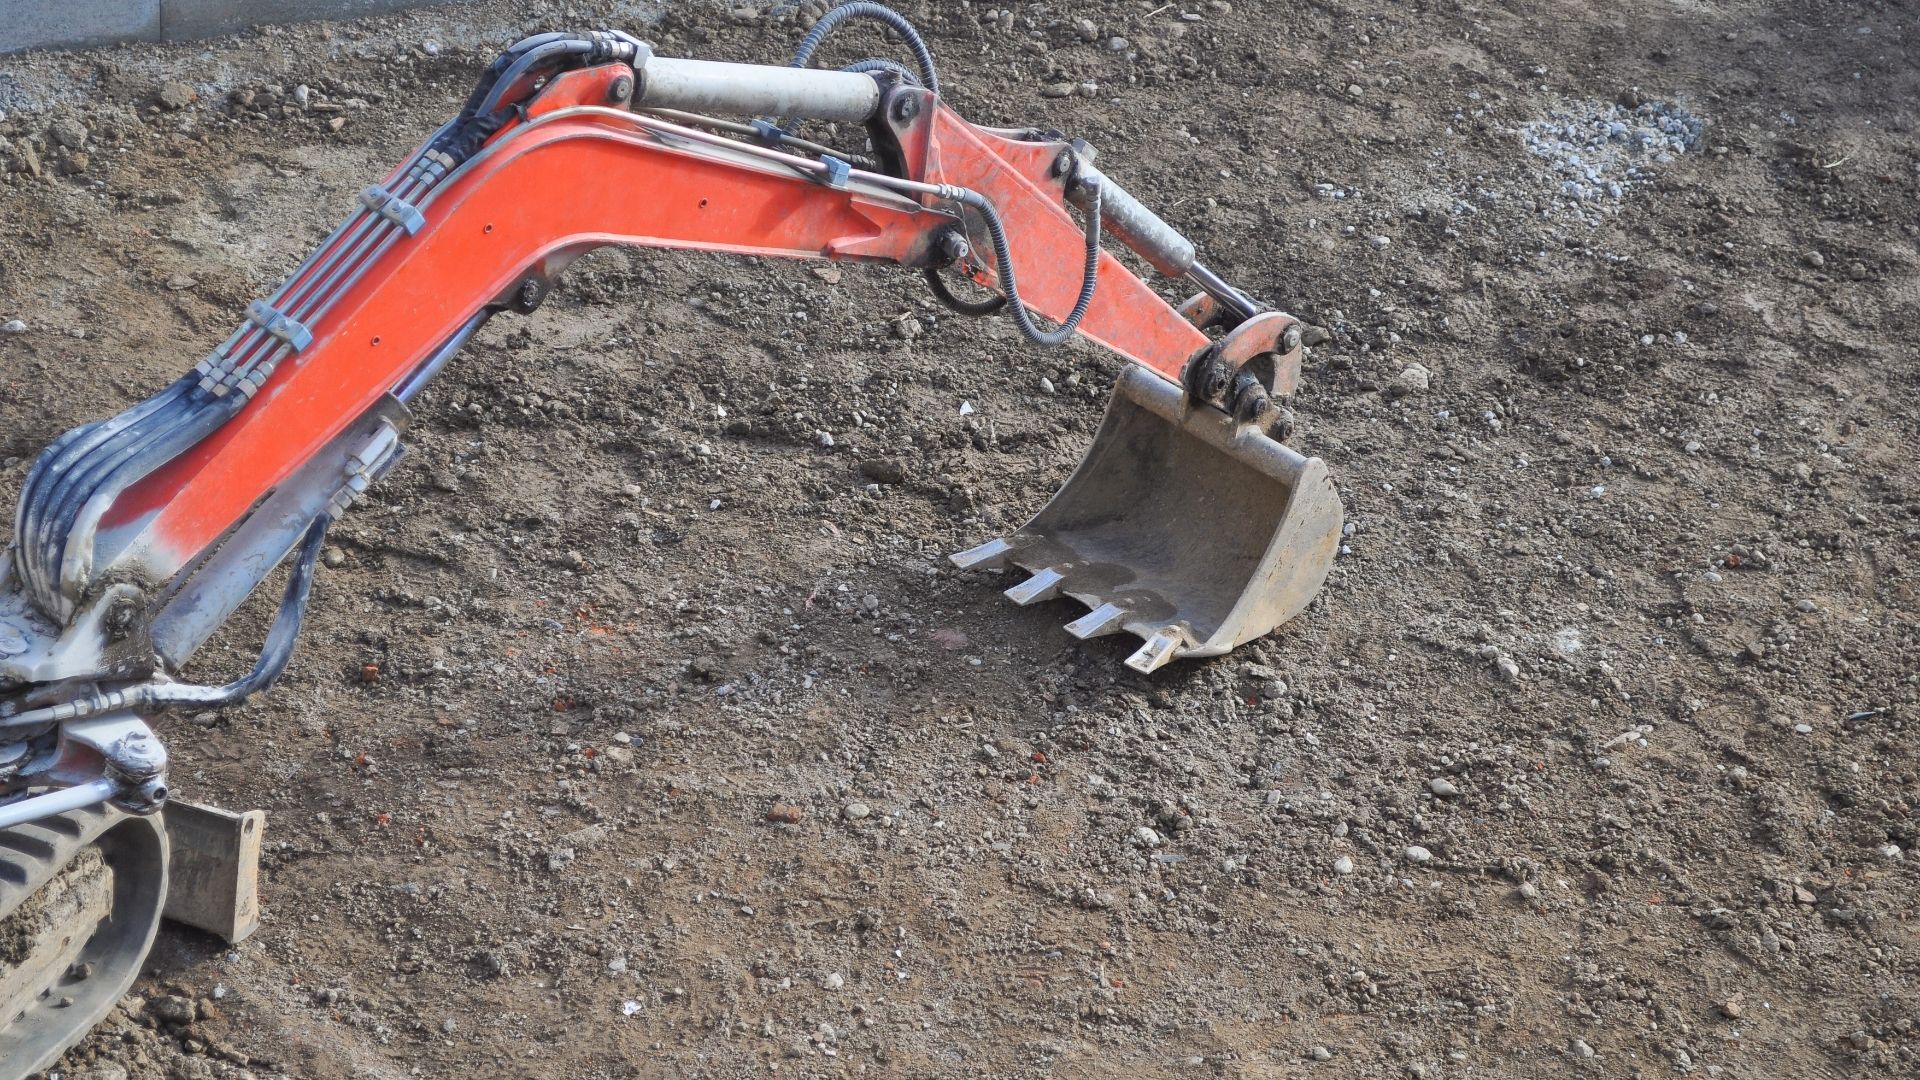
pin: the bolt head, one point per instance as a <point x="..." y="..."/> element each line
<point x="621" y="89"/>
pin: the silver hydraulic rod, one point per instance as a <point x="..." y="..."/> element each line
<point x="36" y="807"/>
<point x="712" y="86"/>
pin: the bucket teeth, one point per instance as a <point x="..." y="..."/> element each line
<point x="1044" y="585"/>
<point x="1164" y="646"/>
<point x="991" y="555"/>
<point x="1105" y="619"/>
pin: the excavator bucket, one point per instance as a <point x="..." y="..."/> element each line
<point x="1183" y="526"/>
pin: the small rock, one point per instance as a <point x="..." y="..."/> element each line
<point x="1581" y="1048"/>
<point x="1529" y="891"/>
<point x="1343" y="865"/>
<point x="1415" y="380"/>
<point x="855" y="811"/>
<point x="1046" y="385"/>
<point x="334" y="557"/>
<point x="1057" y="90"/>
<point x="834" y="981"/>
<point x="13" y="326"/>
<point x="1320" y="1053"/>
<point x="1146" y="837"/>
<point x="1731" y="1008"/>
<point x="1815" y="259"/>
<point x="172" y="1009"/>
<point x="336" y="123"/>
<point x="69" y="133"/>
<point x="1442" y="787"/>
<point x="1418" y="854"/>
<point x="174" y="96"/>
<point x="1086" y="29"/>
<point x="785" y="813"/>
<point x="1509" y="670"/>
<point x="1117" y="44"/>
<point x="1804" y="607"/>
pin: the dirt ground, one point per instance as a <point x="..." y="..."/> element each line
<point x="1593" y="759"/>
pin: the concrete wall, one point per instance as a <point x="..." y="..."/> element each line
<point x="37" y="24"/>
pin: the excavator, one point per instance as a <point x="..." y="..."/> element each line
<point x="1190" y="524"/>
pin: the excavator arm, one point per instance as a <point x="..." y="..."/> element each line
<point x="1190" y="523"/>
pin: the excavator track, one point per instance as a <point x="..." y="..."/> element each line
<point x="80" y="900"/>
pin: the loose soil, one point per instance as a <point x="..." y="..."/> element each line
<point x="1592" y="759"/>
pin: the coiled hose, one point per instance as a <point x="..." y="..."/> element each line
<point x="1003" y="257"/>
<point x="861" y="9"/>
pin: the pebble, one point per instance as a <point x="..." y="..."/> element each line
<point x="1146" y="837"/>
<point x="786" y="813"/>
<point x="1529" y="891"/>
<point x="1416" y="379"/>
<point x="1581" y="1048"/>
<point x="1343" y="865"/>
<point x="69" y="133"/>
<point x="13" y="326"/>
<point x="1442" y="787"/>
<point x="834" y="981"/>
<point x="1416" y="853"/>
<point x="174" y="96"/>
<point x="334" y="557"/>
<point x="1321" y="1053"/>
<point x="1117" y="44"/>
<point x="1046" y="385"/>
<point x="1509" y="670"/>
<point x="172" y="1009"/>
<point x="1815" y="259"/>
<point x="1086" y="29"/>
<point x="1804" y="607"/>
<point x="854" y="811"/>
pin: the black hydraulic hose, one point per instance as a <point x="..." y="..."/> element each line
<point x="533" y="58"/>
<point x="272" y="663"/>
<point x="965" y="307"/>
<point x="879" y="13"/>
<point x="880" y="63"/>
<point x="491" y="77"/>
<point x="286" y="624"/>
<point x="1003" y="255"/>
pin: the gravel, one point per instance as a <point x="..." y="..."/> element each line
<point x="1601" y="151"/>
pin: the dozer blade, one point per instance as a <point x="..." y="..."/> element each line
<point x="1181" y="526"/>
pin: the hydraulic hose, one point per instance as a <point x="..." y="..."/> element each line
<point x="879" y="13"/>
<point x="880" y="63"/>
<point x="1003" y="255"/>
<point x="268" y="668"/>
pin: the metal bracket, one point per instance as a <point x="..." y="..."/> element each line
<point x="286" y="330"/>
<point x="838" y="173"/>
<point x="368" y="464"/>
<point x="393" y="208"/>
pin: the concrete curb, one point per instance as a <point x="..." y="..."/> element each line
<point x="75" y="24"/>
